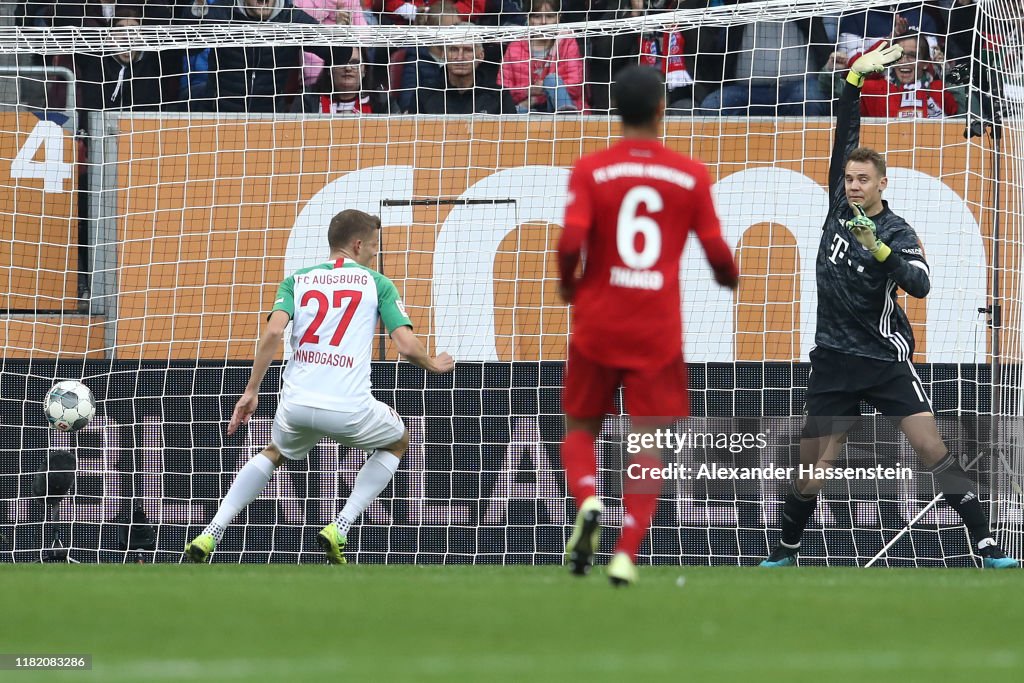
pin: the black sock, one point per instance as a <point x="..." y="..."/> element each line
<point x="795" y="513"/>
<point x="960" y="492"/>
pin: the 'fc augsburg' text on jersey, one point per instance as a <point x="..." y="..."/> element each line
<point x="334" y="309"/>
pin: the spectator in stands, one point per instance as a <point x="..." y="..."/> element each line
<point x="462" y="93"/>
<point x="910" y="89"/>
<point x="129" y="80"/>
<point x="863" y="31"/>
<point x="196" y="71"/>
<point x="406" y="11"/>
<point x="329" y="13"/>
<point x="673" y="52"/>
<point x="771" y="69"/>
<point x="253" y="79"/>
<point x="860" y="32"/>
<point x="544" y="74"/>
<point x="341" y="89"/>
<point x="425" y="71"/>
<point x="92" y="14"/>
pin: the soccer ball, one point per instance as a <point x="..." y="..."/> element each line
<point x="69" y="406"/>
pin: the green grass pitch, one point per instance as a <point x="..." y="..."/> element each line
<point x="466" y="623"/>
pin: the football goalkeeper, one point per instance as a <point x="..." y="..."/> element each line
<point x="864" y="343"/>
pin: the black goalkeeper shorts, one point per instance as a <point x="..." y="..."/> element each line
<point x="840" y="381"/>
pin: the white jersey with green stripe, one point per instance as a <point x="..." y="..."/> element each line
<point x="334" y="309"/>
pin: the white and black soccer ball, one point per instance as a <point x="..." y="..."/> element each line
<point x="69" y="406"/>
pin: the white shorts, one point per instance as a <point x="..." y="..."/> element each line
<point x="298" y="428"/>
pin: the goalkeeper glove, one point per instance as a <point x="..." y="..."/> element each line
<point x="873" y="62"/>
<point x="863" y="228"/>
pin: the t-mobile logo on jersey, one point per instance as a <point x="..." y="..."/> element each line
<point x="839" y="249"/>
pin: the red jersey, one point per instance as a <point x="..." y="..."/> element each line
<point x="924" y="100"/>
<point x="630" y="209"/>
<point x="361" y="106"/>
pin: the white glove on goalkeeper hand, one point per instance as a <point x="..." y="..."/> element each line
<point x="873" y="62"/>
<point x="407" y="11"/>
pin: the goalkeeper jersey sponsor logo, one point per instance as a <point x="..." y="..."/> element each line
<point x="838" y="249"/>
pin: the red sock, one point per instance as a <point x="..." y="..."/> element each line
<point x="640" y="498"/>
<point x="580" y="464"/>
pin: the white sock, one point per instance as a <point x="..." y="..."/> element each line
<point x="248" y="484"/>
<point x="373" y="477"/>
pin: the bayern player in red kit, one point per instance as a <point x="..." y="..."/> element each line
<point x="630" y="209"/>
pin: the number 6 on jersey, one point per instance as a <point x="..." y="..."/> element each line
<point x="630" y="225"/>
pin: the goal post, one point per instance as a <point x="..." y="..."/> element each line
<point x="1000" y="114"/>
<point x="191" y="219"/>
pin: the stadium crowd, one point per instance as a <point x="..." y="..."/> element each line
<point x="782" y="68"/>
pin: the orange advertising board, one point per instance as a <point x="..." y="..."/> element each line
<point x="38" y="252"/>
<point x="213" y="214"/>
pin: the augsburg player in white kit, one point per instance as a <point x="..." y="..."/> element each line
<point x="334" y="309"/>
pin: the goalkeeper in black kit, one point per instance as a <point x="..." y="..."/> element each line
<point x="863" y="340"/>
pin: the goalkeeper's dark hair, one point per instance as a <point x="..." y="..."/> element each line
<point x="351" y="225"/>
<point x="869" y="155"/>
<point x="637" y="94"/>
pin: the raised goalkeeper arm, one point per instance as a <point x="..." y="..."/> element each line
<point x="911" y="275"/>
<point x="847" y="136"/>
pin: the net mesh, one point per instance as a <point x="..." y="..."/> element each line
<point x="153" y="211"/>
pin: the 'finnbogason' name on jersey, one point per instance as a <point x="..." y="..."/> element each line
<point x="857" y="309"/>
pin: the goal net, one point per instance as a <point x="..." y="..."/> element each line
<point x="159" y="176"/>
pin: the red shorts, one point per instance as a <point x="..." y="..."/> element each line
<point x="652" y="392"/>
